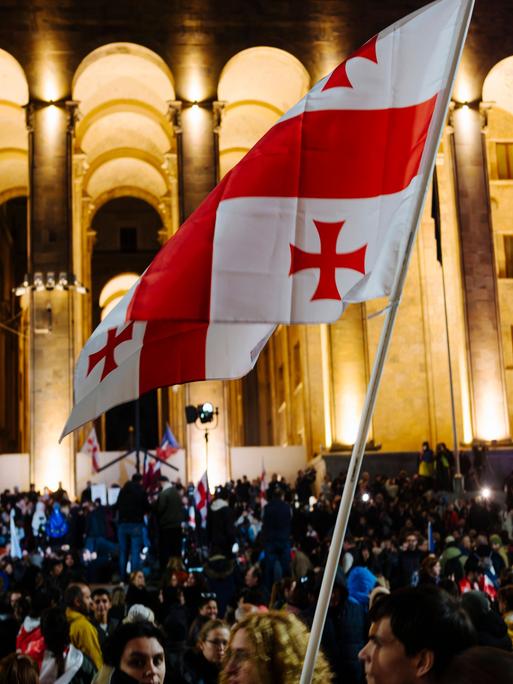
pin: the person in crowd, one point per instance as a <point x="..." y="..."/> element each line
<point x="276" y="531"/>
<point x="475" y="578"/>
<point x="360" y="584"/>
<point x="132" y="506"/>
<point x="414" y="634"/>
<point x="83" y="634"/>
<point x="102" y="605"/>
<point x="408" y="565"/>
<point x="479" y="665"/>
<point x="134" y="654"/>
<point x="169" y="510"/>
<point x="139" y="613"/>
<point x="97" y="530"/>
<point x="18" y="668"/>
<point x="489" y="625"/>
<point x="137" y="591"/>
<point x="221" y="524"/>
<point x="62" y="662"/>
<point x="430" y="570"/>
<point x="30" y="640"/>
<point x="506" y="607"/>
<point x="207" y="611"/>
<point x="39" y="522"/>
<point x="57" y="525"/>
<point x="270" y="647"/>
<point x="202" y="663"/>
<point x="118" y="600"/>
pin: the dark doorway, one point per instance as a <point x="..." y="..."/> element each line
<point x="13" y="265"/>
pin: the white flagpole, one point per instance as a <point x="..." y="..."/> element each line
<point x="377" y="371"/>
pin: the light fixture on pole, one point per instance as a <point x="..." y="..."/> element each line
<point x="203" y="414"/>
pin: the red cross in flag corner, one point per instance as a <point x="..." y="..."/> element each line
<point x="107" y="352"/>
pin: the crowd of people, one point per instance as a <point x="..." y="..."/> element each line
<point x="160" y="587"/>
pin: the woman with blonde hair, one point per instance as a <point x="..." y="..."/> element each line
<point x="270" y="647"/>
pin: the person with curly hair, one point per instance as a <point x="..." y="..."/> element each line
<point x="269" y="647"/>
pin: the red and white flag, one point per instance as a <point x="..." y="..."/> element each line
<point x="92" y="447"/>
<point x="263" y="489"/>
<point x="201" y="498"/>
<point x="124" y="359"/>
<point x="319" y="211"/>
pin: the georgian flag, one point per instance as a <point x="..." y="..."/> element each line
<point x="201" y="498"/>
<point x="92" y="447"/>
<point x="124" y="359"/>
<point x="318" y="213"/>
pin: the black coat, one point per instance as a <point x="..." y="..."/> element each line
<point x="132" y="503"/>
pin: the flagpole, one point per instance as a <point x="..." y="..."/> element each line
<point x="458" y="478"/>
<point x="436" y="215"/>
<point x="358" y="452"/>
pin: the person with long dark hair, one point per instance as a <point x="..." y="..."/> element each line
<point x="134" y="653"/>
<point x="62" y="662"/>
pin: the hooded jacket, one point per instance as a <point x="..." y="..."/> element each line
<point x="84" y="636"/>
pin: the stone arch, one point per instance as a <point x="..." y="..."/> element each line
<point x="125" y="143"/>
<point x="114" y="290"/>
<point x="257" y="86"/>
<point x="13" y="131"/>
<point x="498" y="115"/>
<point x="124" y="146"/>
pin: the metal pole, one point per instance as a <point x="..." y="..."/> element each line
<point x="137" y="436"/>
<point x="458" y="478"/>
<point x="357" y="455"/>
<point x="206" y="452"/>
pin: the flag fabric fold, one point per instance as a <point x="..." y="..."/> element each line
<point x="318" y="212"/>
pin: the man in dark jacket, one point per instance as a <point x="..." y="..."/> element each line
<point x="170" y="515"/>
<point x="132" y="505"/>
<point x="276" y="537"/>
<point x="221" y="524"/>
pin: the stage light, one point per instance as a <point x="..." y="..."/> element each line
<point x="486" y="492"/>
<point x="206" y="412"/>
<point x="365" y="497"/>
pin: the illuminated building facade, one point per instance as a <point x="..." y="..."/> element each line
<point x="116" y="120"/>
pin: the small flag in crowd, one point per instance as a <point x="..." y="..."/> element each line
<point x="263" y="489"/>
<point x="201" y="498"/>
<point x="15" y="538"/>
<point x="168" y="445"/>
<point x="92" y="447"/>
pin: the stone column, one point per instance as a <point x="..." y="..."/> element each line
<point x="51" y="315"/>
<point x="489" y="409"/>
<point x="198" y="169"/>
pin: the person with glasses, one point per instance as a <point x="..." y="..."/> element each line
<point x="202" y="664"/>
<point x="270" y="647"/>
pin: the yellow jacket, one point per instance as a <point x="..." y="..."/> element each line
<point x="84" y="636"/>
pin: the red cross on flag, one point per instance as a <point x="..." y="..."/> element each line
<point x="92" y="447"/>
<point x="124" y="359"/>
<point x="318" y="212"/>
<point x="201" y="498"/>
